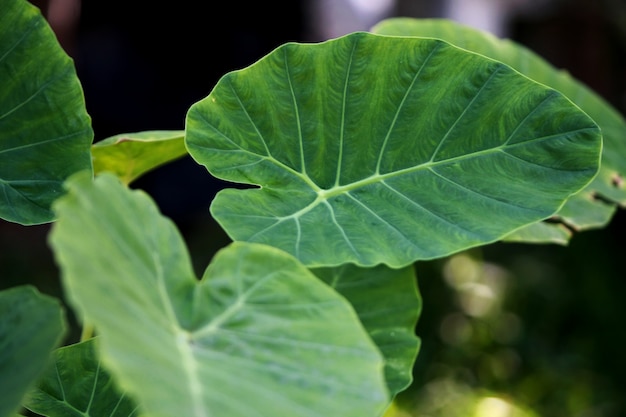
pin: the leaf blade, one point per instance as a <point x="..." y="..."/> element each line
<point x="131" y="155"/>
<point x="194" y="335"/>
<point x="31" y="326"/>
<point x="45" y="131"/>
<point x="388" y="304"/>
<point x="76" y="385"/>
<point x="477" y="148"/>
<point x="584" y="210"/>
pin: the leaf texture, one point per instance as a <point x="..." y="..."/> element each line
<point x="76" y="384"/>
<point x="594" y="206"/>
<point x="375" y="149"/>
<point x="32" y="325"/>
<point x="258" y="336"/>
<point x="389" y="304"/>
<point x="45" y="131"/>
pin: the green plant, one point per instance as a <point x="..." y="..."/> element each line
<point x="363" y="155"/>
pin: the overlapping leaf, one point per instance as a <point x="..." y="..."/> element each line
<point x="77" y="385"/>
<point x="388" y="304"/>
<point x="259" y="335"/>
<point x="375" y="149"/>
<point x="45" y="131"/>
<point x="32" y="325"/>
<point x="589" y="208"/>
<point x="131" y="155"/>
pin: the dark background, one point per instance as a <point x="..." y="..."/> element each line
<point x="143" y="66"/>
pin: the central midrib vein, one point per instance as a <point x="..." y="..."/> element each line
<point x="326" y="194"/>
<point x="377" y="177"/>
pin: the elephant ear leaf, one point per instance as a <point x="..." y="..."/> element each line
<point x="258" y="335"/>
<point x="45" y="131"/>
<point x="595" y="205"/>
<point x="377" y="149"/>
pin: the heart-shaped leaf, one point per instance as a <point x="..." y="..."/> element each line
<point x="131" y="155"/>
<point x="376" y="149"/>
<point x="32" y="325"/>
<point x="259" y="335"/>
<point x="76" y="385"/>
<point x="583" y="210"/>
<point x="45" y="131"/>
<point x="388" y="304"/>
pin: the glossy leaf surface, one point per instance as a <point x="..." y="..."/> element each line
<point x="32" y="325"/>
<point x="131" y="155"/>
<point x="259" y="335"/>
<point x="584" y="210"/>
<point x="45" y="131"/>
<point x="388" y="304"/>
<point x="374" y="149"/>
<point x="77" y="385"/>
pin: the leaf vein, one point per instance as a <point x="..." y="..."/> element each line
<point x="341" y="230"/>
<point x="432" y="213"/>
<point x="400" y="106"/>
<point x="343" y="116"/>
<point x="467" y="107"/>
<point x="256" y="129"/>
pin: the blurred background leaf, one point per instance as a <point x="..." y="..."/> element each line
<point x="32" y="325"/>
<point x="131" y="155"/>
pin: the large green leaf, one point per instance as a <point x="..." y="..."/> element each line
<point x="31" y="326"/>
<point x="376" y="149"/>
<point x="76" y="385"/>
<point x="45" y="131"/>
<point x="259" y="335"/>
<point x="388" y="304"/>
<point x="131" y="155"/>
<point x="584" y="210"/>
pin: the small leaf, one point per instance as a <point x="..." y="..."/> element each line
<point x="31" y="326"/>
<point x="582" y="211"/>
<point x="45" y="131"/>
<point x="375" y="149"/>
<point x="388" y="304"/>
<point x="76" y="385"/>
<point x="259" y="335"/>
<point x="131" y="155"/>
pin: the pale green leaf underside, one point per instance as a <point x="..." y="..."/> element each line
<point x="583" y="210"/>
<point x="259" y="335"/>
<point x="374" y="149"/>
<point x="45" y="131"/>
<point x="32" y="325"/>
<point x="388" y="304"/>
<point x="131" y="155"/>
<point x="77" y="385"/>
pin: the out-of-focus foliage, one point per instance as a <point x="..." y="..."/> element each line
<point x="522" y="330"/>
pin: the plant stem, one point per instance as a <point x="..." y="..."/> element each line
<point x="87" y="332"/>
